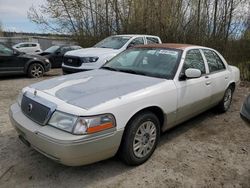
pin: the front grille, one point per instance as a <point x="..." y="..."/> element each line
<point x="35" y="110"/>
<point x="72" y="61"/>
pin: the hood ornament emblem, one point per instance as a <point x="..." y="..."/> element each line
<point x="30" y="107"/>
<point x="35" y="92"/>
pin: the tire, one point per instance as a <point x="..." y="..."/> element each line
<point x="225" y="103"/>
<point x="35" y="70"/>
<point x="135" y="151"/>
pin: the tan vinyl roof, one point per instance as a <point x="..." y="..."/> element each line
<point x="166" y="45"/>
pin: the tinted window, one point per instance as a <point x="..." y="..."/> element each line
<point x="4" y="51"/>
<point x="213" y="60"/>
<point x="65" y="49"/>
<point x="52" y="49"/>
<point x="194" y="60"/>
<point x="24" y="45"/>
<point x="33" y="45"/>
<point x="152" y="40"/>
<point x="136" y="41"/>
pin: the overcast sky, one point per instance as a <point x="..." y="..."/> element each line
<point x="13" y="15"/>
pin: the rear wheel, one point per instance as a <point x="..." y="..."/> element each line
<point x="35" y="70"/>
<point x="140" y="139"/>
<point x="225" y="103"/>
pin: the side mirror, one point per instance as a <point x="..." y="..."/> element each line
<point x="192" y="73"/>
<point x="15" y="52"/>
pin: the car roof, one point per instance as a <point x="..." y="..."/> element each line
<point x="168" y="45"/>
<point x="136" y="35"/>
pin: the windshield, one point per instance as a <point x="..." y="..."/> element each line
<point x="161" y="63"/>
<point x="114" y="42"/>
<point x="52" y="49"/>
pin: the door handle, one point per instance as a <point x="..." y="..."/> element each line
<point x="226" y="77"/>
<point x="208" y="83"/>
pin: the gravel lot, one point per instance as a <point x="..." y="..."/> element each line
<point x="211" y="150"/>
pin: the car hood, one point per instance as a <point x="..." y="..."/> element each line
<point x="89" y="89"/>
<point x="87" y="52"/>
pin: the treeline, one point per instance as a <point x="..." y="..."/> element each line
<point x="220" y="24"/>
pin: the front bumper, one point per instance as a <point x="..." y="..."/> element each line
<point x="65" y="148"/>
<point x="245" y="110"/>
<point x="47" y="67"/>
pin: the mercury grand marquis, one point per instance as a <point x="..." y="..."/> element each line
<point x="123" y="107"/>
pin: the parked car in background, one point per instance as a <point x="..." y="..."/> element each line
<point x="245" y="110"/>
<point x="95" y="57"/>
<point x="123" y="106"/>
<point x="55" y="54"/>
<point x="28" y="47"/>
<point x="14" y="62"/>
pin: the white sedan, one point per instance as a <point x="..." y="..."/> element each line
<point x="124" y="106"/>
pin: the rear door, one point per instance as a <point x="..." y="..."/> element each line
<point x="218" y="74"/>
<point x="193" y="94"/>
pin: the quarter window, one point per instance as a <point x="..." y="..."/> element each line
<point x="194" y="60"/>
<point x="213" y="60"/>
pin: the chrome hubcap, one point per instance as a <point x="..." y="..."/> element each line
<point x="36" y="71"/>
<point x="144" y="139"/>
<point x="227" y="98"/>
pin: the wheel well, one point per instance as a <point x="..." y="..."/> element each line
<point x="232" y="85"/>
<point x="33" y="62"/>
<point x="155" y="110"/>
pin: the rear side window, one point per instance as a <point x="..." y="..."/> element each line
<point x="24" y="45"/>
<point x="194" y="60"/>
<point x="33" y="45"/>
<point x="213" y="60"/>
<point x="152" y="40"/>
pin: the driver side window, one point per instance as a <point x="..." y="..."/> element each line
<point x="4" y="51"/>
<point x="194" y="60"/>
<point x="136" y="41"/>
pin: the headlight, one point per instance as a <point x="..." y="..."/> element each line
<point x="20" y="98"/>
<point x="47" y="61"/>
<point x="89" y="59"/>
<point x="94" y="124"/>
<point x="82" y="125"/>
<point x="63" y="121"/>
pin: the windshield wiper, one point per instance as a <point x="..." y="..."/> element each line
<point x="110" y="68"/>
<point x="132" y="71"/>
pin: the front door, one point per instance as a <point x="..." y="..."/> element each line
<point x="8" y="60"/>
<point x="194" y="94"/>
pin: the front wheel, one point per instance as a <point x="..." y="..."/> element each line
<point x="140" y="139"/>
<point x="225" y="103"/>
<point x="35" y="70"/>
